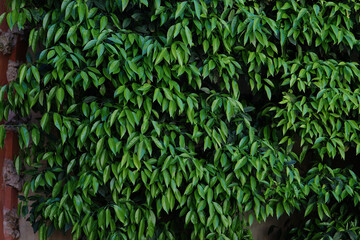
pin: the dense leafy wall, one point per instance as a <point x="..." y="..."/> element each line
<point x="171" y="119"/>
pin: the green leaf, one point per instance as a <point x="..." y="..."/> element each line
<point x="197" y="9"/>
<point x="189" y="36"/>
<point x="25" y="136"/>
<point x="103" y="23"/>
<point x="114" y="66"/>
<point x="151" y="221"/>
<point x="106" y="175"/>
<point x="279" y="210"/>
<point x="112" y="145"/>
<point x="35" y="135"/>
<point x="180" y="9"/>
<point x="60" y="93"/>
<point x="309" y="208"/>
<point x="18" y="163"/>
<point x="229" y="110"/>
<point x="352" y="235"/>
<point x="301" y="13"/>
<point x="89" y="44"/>
<point x="253" y="183"/>
<point x="124" y="4"/>
<point x="268" y="92"/>
<point x="81" y="11"/>
<point x="70" y="91"/>
<point x="70" y="166"/>
<point x="58" y="34"/>
<point x="44" y="121"/>
<point x="120" y="213"/>
<point x="320" y="211"/>
<point x="57" y="189"/>
<point x="84" y="134"/>
<point x="2" y="17"/>
<point x="35" y="73"/>
<point x="145" y="87"/>
<point x="326" y="210"/>
<point x="216" y="45"/>
<point x="160" y="56"/>
<point x="71" y="31"/>
<point x="100" y="145"/>
<point x="57" y="121"/>
<point x="240" y="163"/>
<point x="86" y="109"/>
<point x="2" y="135"/>
<point x="22" y="73"/>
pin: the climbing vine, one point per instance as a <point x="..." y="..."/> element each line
<point x="187" y="119"/>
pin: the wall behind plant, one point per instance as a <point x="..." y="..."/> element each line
<point x="171" y="120"/>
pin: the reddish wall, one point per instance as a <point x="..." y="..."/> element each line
<point x="8" y="195"/>
<point x="1" y="195"/>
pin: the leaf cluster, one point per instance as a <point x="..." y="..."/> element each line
<point x="171" y="120"/>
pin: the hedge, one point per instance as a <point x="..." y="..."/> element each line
<point x="187" y="119"/>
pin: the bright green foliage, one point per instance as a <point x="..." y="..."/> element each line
<point x="172" y="119"/>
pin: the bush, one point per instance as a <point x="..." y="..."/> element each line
<point x="171" y="120"/>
